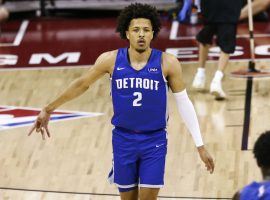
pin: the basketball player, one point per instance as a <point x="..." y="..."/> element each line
<point x="139" y="79"/>
<point x="259" y="190"/>
<point x="220" y="19"/>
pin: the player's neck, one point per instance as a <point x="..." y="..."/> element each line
<point x="267" y="177"/>
<point x="266" y="174"/>
<point x="138" y="57"/>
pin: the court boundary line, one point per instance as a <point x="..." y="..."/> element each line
<point x="105" y="194"/>
<point x="19" y="36"/>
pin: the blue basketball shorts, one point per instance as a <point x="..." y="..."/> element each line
<point x="138" y="158"/>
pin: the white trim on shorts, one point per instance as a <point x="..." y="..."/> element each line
<point x="140" y="185"/>
<point x="126" y="186"/>
<point x="111" y="180"/>
<point x="150" y="186"/>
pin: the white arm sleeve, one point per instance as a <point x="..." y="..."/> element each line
<point x="188" y="114"/>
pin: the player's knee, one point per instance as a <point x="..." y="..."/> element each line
<point x="129" y="195"/>
<point x="227" y="49"/>
<point x="227" y="45"/>
<point x="148" y="194"/>
<point x="147" y="197"/>
<point x="206" y="45"/>
<point x="204" y="41"/>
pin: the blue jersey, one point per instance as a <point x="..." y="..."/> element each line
<point x="139" y="96"/>
<point x="256" y="191"/>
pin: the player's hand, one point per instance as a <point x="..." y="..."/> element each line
<point x="207" y="159"/>
<point x="41" y="124"/>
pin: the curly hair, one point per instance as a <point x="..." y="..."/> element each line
<point x="134" y="11"/>
<point x="262" y="150"/>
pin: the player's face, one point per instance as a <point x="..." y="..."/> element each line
<point x="140" y="34"/>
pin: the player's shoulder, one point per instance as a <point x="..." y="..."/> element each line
<point x="250" y="188"/>
<point x="253" y="184"/>
<point x="170" y="64"/>
<point x="168" y="58"/>
<point x="106" y="60"/>
<point x="249" y="192"/>
<point x="108" y="55"/>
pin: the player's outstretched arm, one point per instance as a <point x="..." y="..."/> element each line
<point x="102" y="66"/>
<point x="185" y="107"/>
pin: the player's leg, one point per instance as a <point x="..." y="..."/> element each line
<point x="125" y="164"/>
<point x="226" y="40"/>
<point x="199" y="79"/>
<point x="203" y="54"/>
<point x="153" y="150"/>
<point x="148" y="193"/>
<point x="131" y="194"/>
<point x="204" y="38"/>
<point x="216" y="84"/>
<point x="223" y="61"/>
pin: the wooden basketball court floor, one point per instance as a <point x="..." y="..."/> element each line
<point x="74" y="163"/>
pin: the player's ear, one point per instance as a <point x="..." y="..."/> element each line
<point x="127" y="35"/>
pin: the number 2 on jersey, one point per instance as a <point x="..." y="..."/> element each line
<point x="139" y="98"/>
